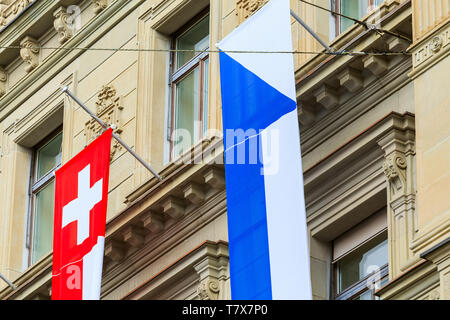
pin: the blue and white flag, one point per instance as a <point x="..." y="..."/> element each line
<point x="268" y="241"/>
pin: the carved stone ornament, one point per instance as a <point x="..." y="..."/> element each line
<point x="208" y="289"/>
<point x="395" y="169"/>
<point x="434" y="295"/>
<point x="109" y="109"/>
<point x="10" y="9"/>
<point x="3" y="80"/>
<point x="62" y="24"/>
<point x="245" y="8"/>
<point x="436" y="44"/>
<point x="30" y="53"/>
<point x="99" y="5"/>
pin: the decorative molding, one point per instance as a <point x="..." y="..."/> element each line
<point x="213" y="273"/>
<point x="62" y="24"/>
<point x="109" y="109"/>
<point x="99" y="5"/>
<point x="3" y="81"/>
<point x="12" y="10"/>
<point x="431" y="50"/>
<point x="245" y="8"/>
<point x="30" y="53"/>
<point x="394" y="168"/>
<point x="208" y="290"/>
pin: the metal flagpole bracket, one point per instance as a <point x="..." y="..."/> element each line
<point x="299" y="20"/>
<point x="115" y="136"/>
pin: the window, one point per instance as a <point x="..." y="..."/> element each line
<point x="189" y="82"/>
<point x="352" y="8"/>
<point x="47" y="158"/>
<point x="361" y="260"/>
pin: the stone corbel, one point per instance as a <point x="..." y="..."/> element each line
<point x="208" y="289"/>
<point x="306" y="115"/>
<point x="30" y="53"/>
<point x="194" y="193"/>
<point x="99" y="5"/>
<point x="351" y="79"/>
<point x="153" y="222"/>
<point x="394" y="168"/>
<point x="173" y="207"/>
<point x="3" y="81"/>
<point x="62" y="25"/>
<point x="327" y="97"/>
<point x="213" y="273"/>
<point x="215" y="178"/>
<point x="375" y="64"/>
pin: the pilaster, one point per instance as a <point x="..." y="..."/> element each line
<point x="431" y="62"/>
<point x="400" y="170"/>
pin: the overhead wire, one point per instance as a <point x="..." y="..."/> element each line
<point x="366" y="25"/>
<point x="210" y="51"/>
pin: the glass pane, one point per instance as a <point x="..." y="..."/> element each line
<point x="368" y="258"/>
<point x="353" y="8"/>
<point x="205" y="96"/>
<point x="43" y="221"/>
<point x="49" y="156"/>
<point x="186" y="112"/>
<point x="196" y="38"/>
<point x="365" y="296"/>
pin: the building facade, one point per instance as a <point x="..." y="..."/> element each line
<point x="374" y="129"/>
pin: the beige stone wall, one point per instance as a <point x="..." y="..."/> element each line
<point x="431" y="62"/>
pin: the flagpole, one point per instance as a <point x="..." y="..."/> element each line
<point x="299" y="20"/>
<point x="115" y="136"/>
<point x="9" y="283"/>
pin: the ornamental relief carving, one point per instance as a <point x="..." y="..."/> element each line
<point x="245" y="8"/>
<point x="432" y="47"/>
<point x="11" y="10"/>
<point x="30" y="53"/>
<point x="62" y="24"/>
<point x="109" y="108"/>
<point x="394" y="168"/>
<point x="208" y="289"/>
<point x="3" y="81"/>
<point x="99" y="5"/>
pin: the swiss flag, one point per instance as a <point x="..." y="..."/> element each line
<point x="80" y="217"/>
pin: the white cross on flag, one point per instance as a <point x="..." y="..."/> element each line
<point x="80" y="217"/>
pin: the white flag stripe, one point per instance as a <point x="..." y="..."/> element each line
<point x="92" y="271"/>
<point x="260" y="33"/>
<point x="286" y="219"/>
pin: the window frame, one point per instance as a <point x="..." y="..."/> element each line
<point x="37" y="185"/>
<point x="359" y="287"/>
<point x="178" y="74"/>
<point x="337" y="19"/>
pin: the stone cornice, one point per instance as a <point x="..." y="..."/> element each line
<point x="13" y="10"/>
<point x="355" y="39"/>
<point x="58" y="59"/>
